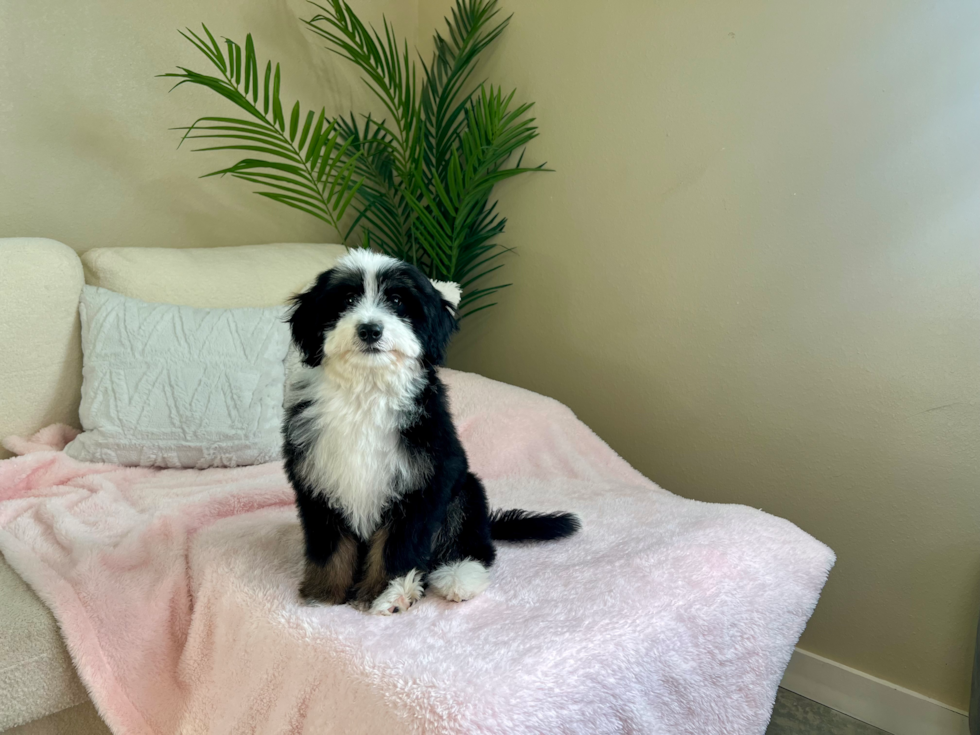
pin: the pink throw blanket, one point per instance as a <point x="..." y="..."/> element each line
<point x="176" y="593"/>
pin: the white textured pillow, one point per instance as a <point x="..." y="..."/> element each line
<point x="178" y="386"/>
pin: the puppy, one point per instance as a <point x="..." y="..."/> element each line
<point x="383" y="488"/>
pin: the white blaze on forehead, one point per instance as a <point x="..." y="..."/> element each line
<point x="366" y="264"/>
<point x="367" y="261"/>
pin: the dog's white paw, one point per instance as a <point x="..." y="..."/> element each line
<point x="460" y="580"/>
<point x="401" y="594"/>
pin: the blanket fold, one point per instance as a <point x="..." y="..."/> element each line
<point x="175" y="591"/>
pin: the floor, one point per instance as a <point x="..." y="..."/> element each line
<point x="82" y="719"/>
<point x="796" y="715"/>
<point x="793" y="715"/>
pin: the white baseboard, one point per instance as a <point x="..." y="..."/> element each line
<point x="875" y="701"/>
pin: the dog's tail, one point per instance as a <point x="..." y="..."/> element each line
<point x="525" y="525"/>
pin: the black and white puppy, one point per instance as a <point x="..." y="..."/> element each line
<point x="385" y="496"/>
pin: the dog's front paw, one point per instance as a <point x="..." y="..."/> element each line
<point x="401" y="594"/>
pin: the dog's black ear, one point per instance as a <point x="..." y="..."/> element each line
<point x="442" y="323"/>
<point x="307" y="322"/>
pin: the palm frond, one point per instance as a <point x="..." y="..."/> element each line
<point x="470" y="31"/>
<point x="389" y="72"/>
<point x="455" y="216"/>
<point x="314" y="174"/>
<point x="381" y="199"/>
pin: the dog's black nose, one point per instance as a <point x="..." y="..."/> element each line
<point x="369" y="333"/>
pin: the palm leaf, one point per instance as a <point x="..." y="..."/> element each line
<point x="387" y="69"/>
<point x="311" y="175"/>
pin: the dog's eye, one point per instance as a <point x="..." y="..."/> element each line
<point x="396" y="300"/>
<point x="350" y="300"/>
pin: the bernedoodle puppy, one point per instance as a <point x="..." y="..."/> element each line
<point x="385" y="496"/>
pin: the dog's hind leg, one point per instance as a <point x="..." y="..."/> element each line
<point x="463" y="571"/>
<point x="460" y="580"/>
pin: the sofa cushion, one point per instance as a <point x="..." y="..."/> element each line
<point x="246" y="275"/>
<point x="36" y="674"/>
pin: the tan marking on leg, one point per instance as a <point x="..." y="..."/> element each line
<point x="330" y="582"/>
<point x="374" y="577"/>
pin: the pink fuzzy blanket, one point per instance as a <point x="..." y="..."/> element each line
<point x="176" y="593"/>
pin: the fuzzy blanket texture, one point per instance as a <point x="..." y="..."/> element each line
<point x="176" y="593"/>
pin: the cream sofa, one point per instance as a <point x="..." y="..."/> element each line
<point x="40" y="384"/>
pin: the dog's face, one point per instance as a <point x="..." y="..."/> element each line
<point x="371" y="310"/>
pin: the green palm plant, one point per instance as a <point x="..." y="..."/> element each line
<point x="420" y="180"/>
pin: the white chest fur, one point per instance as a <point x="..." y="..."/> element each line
<point x="355" y="455"/>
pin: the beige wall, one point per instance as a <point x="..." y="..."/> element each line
<point x="86" y="156"/>
<point x="756" y="273"/>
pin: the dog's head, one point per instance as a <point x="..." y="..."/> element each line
<point x="371" y="310"/>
